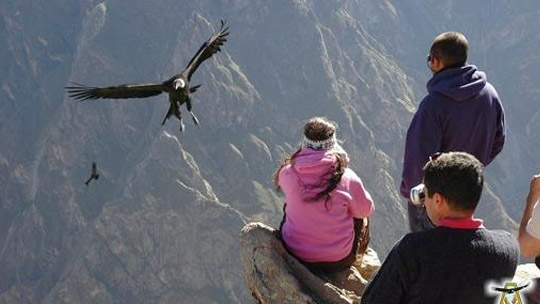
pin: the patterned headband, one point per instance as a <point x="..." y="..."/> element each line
<point x="326" y="144"/>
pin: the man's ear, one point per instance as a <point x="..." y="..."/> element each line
<point x="437" y="198"/>
<point x="438" y="64"/>
<point x="441" y="202"/>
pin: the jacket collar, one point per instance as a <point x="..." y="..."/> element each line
<point x="462" y="223"/>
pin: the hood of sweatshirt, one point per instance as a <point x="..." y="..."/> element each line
<point x="458" y="84"/>
<point x="313" y="163"/>
<point x="313" y="168"/>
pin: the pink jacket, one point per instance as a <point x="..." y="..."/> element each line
<point x="312" y="231"/>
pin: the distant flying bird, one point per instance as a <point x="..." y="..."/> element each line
<point x="177" y="86"/>
<point x="94" y="174"/>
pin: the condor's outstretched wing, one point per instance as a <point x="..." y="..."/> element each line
<point x="209" y="48"/>
<point x="82" y="92"/>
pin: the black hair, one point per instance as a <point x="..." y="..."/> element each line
<point x="457" y="176"/>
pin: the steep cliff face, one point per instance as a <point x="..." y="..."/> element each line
<point x="161" y="223"/>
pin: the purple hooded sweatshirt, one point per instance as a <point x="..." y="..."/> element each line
<point x="462" y="112"/>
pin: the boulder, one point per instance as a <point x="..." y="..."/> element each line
<point x="274" y="276"/>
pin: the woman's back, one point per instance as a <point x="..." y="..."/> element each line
<point x="323" y="229"/>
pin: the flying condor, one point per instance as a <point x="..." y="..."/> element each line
<point x="177" y="86"/>
<point x="93" y="175"/>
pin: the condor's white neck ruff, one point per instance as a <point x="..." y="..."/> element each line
<point x="179" y="83"/>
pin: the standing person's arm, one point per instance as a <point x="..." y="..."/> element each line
<point x="423" y="139"/>
<point x="500" y="134"/>
<point x="529" y="229"/>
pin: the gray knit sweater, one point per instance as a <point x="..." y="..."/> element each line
<point x="444" y="265"/>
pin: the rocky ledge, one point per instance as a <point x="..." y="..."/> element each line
<point x="274" y="276"/>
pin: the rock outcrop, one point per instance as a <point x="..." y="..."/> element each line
<point x="274" y="276"/>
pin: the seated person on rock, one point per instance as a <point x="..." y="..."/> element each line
<point x="453" y="262"/>
<point x="324" y="202"/>
<point x="529" y="233"/>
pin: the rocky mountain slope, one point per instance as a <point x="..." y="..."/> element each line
<point x="162" y="222"/>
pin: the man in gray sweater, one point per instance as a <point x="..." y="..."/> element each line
<point x="454" y="262"/>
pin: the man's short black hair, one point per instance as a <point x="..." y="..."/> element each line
<point x="457" y="176"/>
<point x="451" y="48"/>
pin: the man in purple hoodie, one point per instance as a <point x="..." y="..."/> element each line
<point x="462" y="112"/>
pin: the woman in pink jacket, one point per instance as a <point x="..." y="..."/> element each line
<point x="323" y="200"/>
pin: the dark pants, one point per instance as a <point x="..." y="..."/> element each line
<point x="418" y="218"/>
